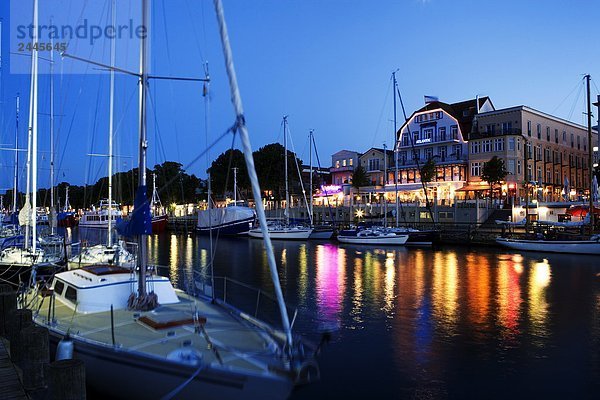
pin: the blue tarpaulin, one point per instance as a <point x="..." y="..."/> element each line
<point x="140" y="221"/>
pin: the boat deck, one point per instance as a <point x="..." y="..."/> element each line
<point x="215" y="334"/>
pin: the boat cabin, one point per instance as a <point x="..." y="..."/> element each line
<point x="96" y="288"/>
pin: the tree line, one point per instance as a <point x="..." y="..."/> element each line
<point x="173" y="184"/>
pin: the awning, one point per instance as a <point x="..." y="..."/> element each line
<point x="473" y="188"/>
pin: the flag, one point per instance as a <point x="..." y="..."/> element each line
<point x="140" y="222"/>
<point x="431" y="99"/>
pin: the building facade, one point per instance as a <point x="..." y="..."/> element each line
<point x="343" y="164"/>
<point x="543" y="154"/>
<point x="374" y="161"/>
<point x="439" y="132"/>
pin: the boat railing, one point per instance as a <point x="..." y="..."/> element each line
<point x="251" y="302"/>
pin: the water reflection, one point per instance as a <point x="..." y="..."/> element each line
<point x="330" y="282"/>
<point x="426" y="315"/>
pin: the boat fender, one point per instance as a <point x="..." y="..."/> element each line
<point x="186" y="355"/>
<point x="64" y="350"/>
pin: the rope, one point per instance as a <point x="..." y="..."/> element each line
<point x="179" y="388"/>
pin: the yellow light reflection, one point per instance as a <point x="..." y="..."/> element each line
<point x="303" y="272"/>
<point x="389" y="284"/>
<point x="509" y="297"/>
<point x="539" y="279"/>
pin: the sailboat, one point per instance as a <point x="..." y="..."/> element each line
<point x="285" y="231"/>
<point x="20" y="258"/>
<point x="108" y="212"/>
<point x="159" y="217"/>
<point x="141" y="338"/>
<point x="554" y="241"/>
<point x="67" y="218"/>
<point x="233" y="220"/>
<point x="321" y="232"/>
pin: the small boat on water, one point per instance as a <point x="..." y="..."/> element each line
<point x="234" y="220"/>
<point x="374" y="236"/>
<point x="416" y="237"/>
<point x="283" y="232"/>
<point x="160" y="219"/>
<point x="97" y="217"/>
<point x="590" y="246"/>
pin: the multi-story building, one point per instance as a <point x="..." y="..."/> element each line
<point x="548" y="152"/>
<point x="439" y="132"/>
<point x="343" y="164"/>
<point x="374" y="161"/>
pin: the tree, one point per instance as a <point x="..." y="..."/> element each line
<point x="222" y="174"/>
<point x="269" y="163"/>
<point x="493" y="172"/>
<point x="428" y="171"/>
<point x="359" y="177"/>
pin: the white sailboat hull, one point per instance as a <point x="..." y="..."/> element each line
<point x="398" y="240"/>
<point x="552" y="246"/>
<point x="158" y="377"/>
<point x="283" y="234"/>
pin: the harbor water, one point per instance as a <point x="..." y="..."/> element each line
<point x="424" y="323"/>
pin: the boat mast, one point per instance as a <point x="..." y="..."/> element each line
<point x="243" y="131"/>
<point x="310" y="187"/>
<point x="590" y="152"/>
<point x="384" y="182"/>
<point x="285" y="158"/>
<point x="34" y="126"/>
<point x="16" y="169"/>
<point x="396" y="150"/>
<point x="235" y="170"/>
<point x="141" y="239"/>
<point x="52" y="209"/>
<point x="66" y="199"/>
<point x="111" y="126"/>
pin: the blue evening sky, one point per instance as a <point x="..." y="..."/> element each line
<point x="325" y="63"/>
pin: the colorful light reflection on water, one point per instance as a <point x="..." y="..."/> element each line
<point x="447" y="323"/>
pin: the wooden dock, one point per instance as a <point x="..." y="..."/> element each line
<point x="10" y="384"/>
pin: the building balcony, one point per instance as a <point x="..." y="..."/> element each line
<point x="348" y="168"/>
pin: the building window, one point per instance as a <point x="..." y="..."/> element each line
<point x="539" y="131"/>
<point x="343" y="162"/>
<point x="403" y="156"/>
<point x="548" y="133"/>
<point x="528" y="128"/>
<point x="442" y="152"/>
<point x="528" y="151"/>
<point x="510" y="166"/>
<point x="374" y="164"/>
<point x="475" y="147"/>
<point x="572" y="141"/>
<point x="529" y="172"/>
<point x="415" y="154"/>
<point x="490" y="129"/>
<point x="427" y="134"/>
<point x="511" y="144"/>
<point x="415" y="137"/>
<point x="428" y="153"/>
<point x="475" y="169"/>
<point x="457" y="150"/>
<point x="578" y="143"/>
<point x="564" y="137"/>
<point x="487" y="146"/>
<point x="506" y="127"/>
<point x="498" y="144"/>
<point x="548" y="176"/>
<point x="518" y="167"/>
<point x="454" y="132"/>
<point x="337" y="164"/>
<point x="442" y="133"/>
<point x="405" y="139"/>
<point x="351" y="161"/>
<point x="556" y="136"/>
